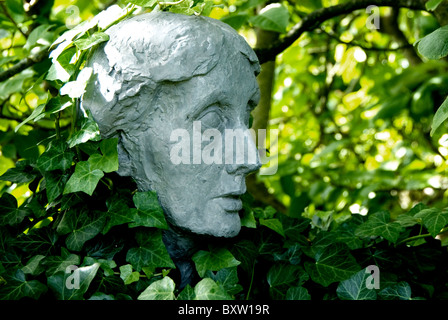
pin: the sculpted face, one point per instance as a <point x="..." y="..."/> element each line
<point x="183" y="74"/>
<point x="204" y="198"/>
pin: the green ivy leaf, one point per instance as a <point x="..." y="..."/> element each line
<point x="54" y="184"/>
<point x="55" y="264"/>
<point x="34" y="266"/>
<point x="9" y="213"/>
<point x="274" y="17"/>
<point x="88" y="131"/>
<point x="94" y="39"/>
<point x="273" y="224"/>
<point x="149" y="212"/>
<point x="297" y="293"/>
<point x="355" y="288"/>
<point x="440" y="116"/>
<point x="434" y="45"/>
<point x="55" y="157"/>
<point x="118" y="213"/>
<point x="81" y="227"/>
<point x="213" y="260"/>
<point x="23" y="172"/>
<point x="83" y="179"/>
<point x="108" y="160"/>
<point x="434" y="219"/>
<point x="159" y="290"/>
<point x="334" y="263"/>
<point x="227" y="278"/>
<point x="58" y="282"/>
<point x="282" y="273"/>
<point x="17" y="287"/>
<point x="187" y="293"/>
<point x="378" y="224"/>
<point x="151" y="251"/>
<point x="207" y="289"/>
<point x="399" y="291"/>
<point x="127" y="275"/>
<point x="37" y="114"/>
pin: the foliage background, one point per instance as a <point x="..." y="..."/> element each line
<point x="362" y="158"/>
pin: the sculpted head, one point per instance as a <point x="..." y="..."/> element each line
<point x="162" y="73"/>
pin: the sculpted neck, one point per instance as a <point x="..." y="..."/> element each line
<point x="181" y="247"/>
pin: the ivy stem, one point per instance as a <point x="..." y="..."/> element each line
<point x="421" y="236"/>
<point x="57" y="126"/>
<point x="251" y="281"/>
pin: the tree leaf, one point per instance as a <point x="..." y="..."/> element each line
<point x="83" y="179"/>
<point x="38" y="113"/>
<point x="94" y="39"/>
<point x="432" y="5"/>
<point x="334" y="263"/>
<point x="149" y="213"/>
<point x="207" y="289"/>
<point x="378" y="224"/>
<point x="440" y="116"/>
<point x="297" y="293"/>
<point x="17" y="287"/>
<point x="355" y="288"/>
<point x="151" y="251"/>
<point x="434" y="219"/>
<point x="434" y="45"/>
<point x="274" y="17"/>
<point x="213" y="260"/>
<point x="58" y="282"/>
<point x="159" y="290"/>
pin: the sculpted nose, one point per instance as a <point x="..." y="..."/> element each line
<point x="244" y="157"/>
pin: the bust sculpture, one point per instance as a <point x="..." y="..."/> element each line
<point x="162" y="72"/>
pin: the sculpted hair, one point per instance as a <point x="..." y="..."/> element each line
<point x="144" y="53"/>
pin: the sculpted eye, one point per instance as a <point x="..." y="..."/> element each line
<point x="212" y="118"/>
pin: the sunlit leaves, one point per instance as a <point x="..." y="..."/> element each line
<point x="434" y="45"/>
<point x="159" y="290"/>
<point x="207" y="289"/>
<point x="440" y="116"/>
<point x="274" y="17"/>
<point x="88" y="130"/>
<point x="74" y="284"/>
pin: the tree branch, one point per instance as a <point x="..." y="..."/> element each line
<point x="23" y="64"/>
<point x="315" y="18"/>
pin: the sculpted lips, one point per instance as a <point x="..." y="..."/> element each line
<point x="230" y="202"/>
